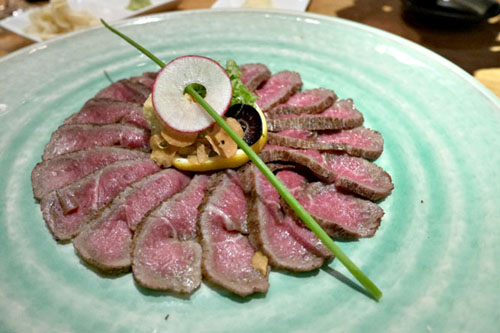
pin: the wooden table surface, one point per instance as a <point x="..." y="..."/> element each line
<point x="475" y="48"/>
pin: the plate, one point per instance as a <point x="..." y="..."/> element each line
<point x="298" y="5"/>
<point x="112" y="11"/>
<point x="435" y="255"/>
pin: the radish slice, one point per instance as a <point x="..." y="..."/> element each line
<point x="177" y="109"/>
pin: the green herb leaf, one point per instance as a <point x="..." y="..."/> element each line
<point x="241" y="94"/>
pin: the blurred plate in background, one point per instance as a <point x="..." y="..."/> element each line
<point x="110" y="10"/>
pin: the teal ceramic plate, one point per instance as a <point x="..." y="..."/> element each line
<point x="435" y="256"/>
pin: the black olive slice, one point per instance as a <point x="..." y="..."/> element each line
<point x="249" y="119"/>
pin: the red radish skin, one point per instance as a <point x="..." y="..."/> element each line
<point x="206" y="119"/>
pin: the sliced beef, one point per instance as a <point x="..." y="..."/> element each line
<point x="359" y="176"/>
<point x="101" y="111"/>
<point x="166" y="255"/>
<point x="353" y="174"/>
<point x="177" y="217"/>
<point x="340" y="215"/>
<point x="307" y="102"/>
<point x="253" y="75"/>
<point x="171" y="265"/>
<point x="287" y="243"/>
<point x="105" y="241"/>
<point x="64" y="210"/>
<point x="65" y="169"/>
<point x="227" y="254"/>
<point x="149" y="193"/>
<point x="147" y="79"/>
<point x="125" y="90"/>
<point x="341" y="115"/>
<point x="309" y="158"/>
<point x="230" y="205"/>
<point x="277" y="89"/>
<point x="69" y="138"/>
<point x="106" y="244"/>
<point x="360" y="141"/>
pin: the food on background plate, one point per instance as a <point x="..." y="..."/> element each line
<point x="138" y="4"/>
<point x="228" y="225"/>
<point x="57" y="18"/>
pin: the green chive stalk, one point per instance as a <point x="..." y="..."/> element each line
<point x="282" y="190"/>
<point x="135" y="44"/>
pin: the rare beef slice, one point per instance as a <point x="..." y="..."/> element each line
<point x="311" y="101"/>
<point x="341" y="115"/>
<point x="65" y="169"/>
<point x="253" y="75"/>
<point x="341" y="215"/>
<point x="228" y="254"/>
<point x="278" y="89"/>
<point x="146" y="79"/>
<point x="352" y="174"/>
<point x="105" y="241"/>
<point x="286" y="242"/>
<point x="360" y="141"/>
<point x="125" y="90"/>
<point x="70" y="138"/>
<point x="166" y="254"/>
<point x="101" y="111"/>
<point x="65" y="209"/>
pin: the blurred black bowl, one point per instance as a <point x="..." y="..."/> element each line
<point x="452" y="11"/>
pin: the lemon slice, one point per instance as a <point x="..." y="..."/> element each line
<point x="217" y="162"/>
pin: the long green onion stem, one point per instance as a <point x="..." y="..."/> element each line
<point x="282" y="190"/>
<point x="134" y="44"/>
<point x="289" y="198"/>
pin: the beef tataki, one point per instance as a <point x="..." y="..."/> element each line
<point x="65" y="169"/>
<point x="341" y="115"/>
<point x="146" y="79"/>
<point x="287" y="243"/>
<point x="307" y="102"/>
<point x="277" y="89"/>
<point x="359" y="176"/>
<point x="353" y="174"/>
<point x="65" y="209"/>
<point x="227" y="255"/>
<point x="70" y="138"/>
<point x="99" y="188"/>
<point x="169" y="265"/>
<point x="253" y="75"/>
<point x="360" y="141"/>
<point x="125" y="90"/>
<point x="105" y="241"/>
<point x="101" y="111"/>
<point x="166" y="255"/>
<point x="230" y="205"/>
<point x="340" y="215"/>
<point x="309" y="158"/>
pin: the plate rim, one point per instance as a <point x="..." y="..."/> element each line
<point x="478" y="86"/>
